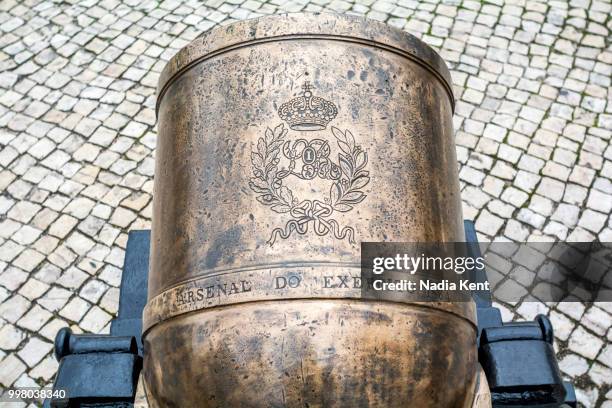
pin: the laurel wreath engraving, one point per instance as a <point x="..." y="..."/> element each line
<point x="344" y="193"/>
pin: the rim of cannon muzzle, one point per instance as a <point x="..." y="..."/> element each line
<point x="319" y="26"/>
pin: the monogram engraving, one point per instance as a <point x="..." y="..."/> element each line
<point x="308" y="160"/>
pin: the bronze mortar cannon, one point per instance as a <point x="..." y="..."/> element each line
<point x="284" y="142"/>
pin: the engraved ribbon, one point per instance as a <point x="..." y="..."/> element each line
<point x="314" y="211"/>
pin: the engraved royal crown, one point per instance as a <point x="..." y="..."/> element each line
<point x="307" y="112"/>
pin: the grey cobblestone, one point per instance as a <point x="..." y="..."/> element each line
<point x="533" y="125"/>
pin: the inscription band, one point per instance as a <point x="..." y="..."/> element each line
<point x="322" y="281"/>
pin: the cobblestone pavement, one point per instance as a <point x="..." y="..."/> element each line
<point x="77" y="136"/>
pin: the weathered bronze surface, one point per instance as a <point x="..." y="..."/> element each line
<point x="284" y="142"/>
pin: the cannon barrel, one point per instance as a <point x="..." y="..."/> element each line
<point x="283" y="143"/>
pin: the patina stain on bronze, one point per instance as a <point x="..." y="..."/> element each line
<point x="283" y="143"/>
